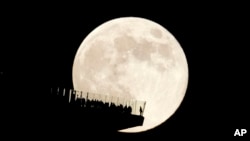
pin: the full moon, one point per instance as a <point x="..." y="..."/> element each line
<point x="134" y="58"/>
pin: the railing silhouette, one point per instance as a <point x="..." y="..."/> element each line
<point x="87" y="100"/>
<point x="102" y="112"/>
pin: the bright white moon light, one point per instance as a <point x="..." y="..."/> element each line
<point x="134" y="58"/>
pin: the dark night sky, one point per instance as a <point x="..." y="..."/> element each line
<point x="39" y="45"/>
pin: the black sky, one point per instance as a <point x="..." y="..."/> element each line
<point x="39" y="45"/>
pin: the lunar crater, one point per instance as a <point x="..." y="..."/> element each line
<point x="156" y="33"/>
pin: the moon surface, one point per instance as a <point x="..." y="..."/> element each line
<point x="134" y="58"/>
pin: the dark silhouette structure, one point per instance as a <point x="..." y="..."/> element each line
<point x="94" y="113"/>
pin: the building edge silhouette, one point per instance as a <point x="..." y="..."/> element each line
<point x="92" y="111"/>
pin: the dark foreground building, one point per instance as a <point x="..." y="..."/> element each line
<point x="92" y="111"/>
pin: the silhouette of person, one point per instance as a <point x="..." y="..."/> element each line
<point x="141" y="111"/>
<point x="129" y="110"/>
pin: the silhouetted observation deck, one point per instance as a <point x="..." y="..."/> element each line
<point x="121" y="112"/>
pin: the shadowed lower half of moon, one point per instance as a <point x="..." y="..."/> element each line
<point x="134" y="58"/>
